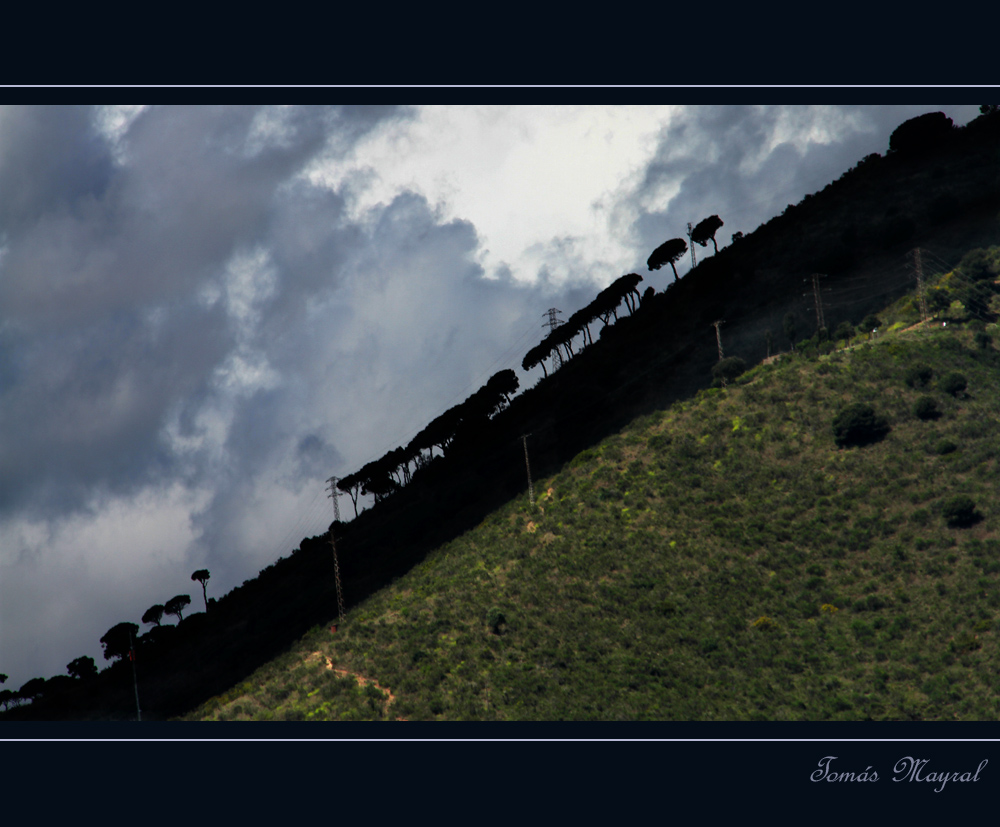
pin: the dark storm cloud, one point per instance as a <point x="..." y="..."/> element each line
<point x="101" y="324"/>
<point x="52" y="160"/>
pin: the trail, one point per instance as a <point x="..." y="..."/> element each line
<point x="362" y="681"/>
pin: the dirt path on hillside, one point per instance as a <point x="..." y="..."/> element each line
<point x="362" y="681"/>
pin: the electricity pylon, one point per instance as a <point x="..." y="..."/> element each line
<point x="918" y="265"/>
<point x="552" y="324"/>
<point x="527" y="465"/>
<point x="718" y="337"/>
<point x="334" y="494"/>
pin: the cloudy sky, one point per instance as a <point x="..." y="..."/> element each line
<point x="205" y="312"/>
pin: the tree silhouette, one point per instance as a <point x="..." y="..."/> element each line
<point x="505" y="383"/>
<point x="627" y="287"/>
<point x="117" y="641"/>
<point x="202" y="576"/>
<point x="175" y="606"/>
<point x="32" y="689"/>
<point x="536" y="356"/>
<point x="351" y="485"/>
<point x="922" y="133"/>
<point x="3" y="678"/>
<point x="705" y="231"/>
<point x="667" y="253"/>
<point x="7" y="698"/>
<point x="154" y="614"/>
<point x="82" y="667"/>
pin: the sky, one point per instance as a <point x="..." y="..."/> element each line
<point x="207" y="311"/>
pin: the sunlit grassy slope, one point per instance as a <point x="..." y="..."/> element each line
<point x="721" y="559"/>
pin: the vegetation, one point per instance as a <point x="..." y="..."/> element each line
<point x="119" y="640"/>
<point x="669" y="252"/>
<point x="721" y="559"/>
<point x="953" y="383"/>
<point x="82" y="668"/>
<point x="728" y="369"/>
<point x="202" y="576"/>
<point x="858" y="424"/>
<point x="705" y="230"/>
<point x="154" y="614"/>
<point x="175" y="606"/>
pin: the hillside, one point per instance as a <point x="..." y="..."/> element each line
<point x="721" y="559"/>
<point x="857" y="231"/>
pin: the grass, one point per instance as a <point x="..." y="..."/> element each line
<point x="719" y="560"/>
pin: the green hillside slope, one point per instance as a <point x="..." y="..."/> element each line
<point x="722" y="559"/>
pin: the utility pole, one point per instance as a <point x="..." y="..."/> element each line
<point x="718" y="337"/>
<point x="135" y="680"/>
<point x="694" y="258"/>
<point x="334" y="494"/>
<point x="919" y="267"/>
<point x="820" y="320"/>
<point x="552" y="324"/>
<point x="531" y="488"/>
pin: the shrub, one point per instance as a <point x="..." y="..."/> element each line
<point x="926" y="409"/>
<point x="858" y="424"/>
<point x="953" y="383"/>
<point x="983" y="340"/>
<point x="870" y="323"/>
<point x="918" y="376"/>
<point x="729" y="368"/>
<point x="945" y="446"/>
<point x="495" y="619"/>
<point x="845" y="330"/>
<point x="960" y="512"/>
<point x="979" y="265"/>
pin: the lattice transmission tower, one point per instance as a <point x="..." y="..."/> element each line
<point x="552" y="324"/>
<point x="334" y="494"/>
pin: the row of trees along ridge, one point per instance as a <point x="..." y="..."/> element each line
<point x="383" y="476"/>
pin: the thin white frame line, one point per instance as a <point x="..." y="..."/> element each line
<point x="513" y="740"/>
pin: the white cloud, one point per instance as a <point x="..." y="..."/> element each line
<point x="106" y="565"/>
<point x="526" y="177"/>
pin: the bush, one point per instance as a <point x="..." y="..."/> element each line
<point x="953" y="383"/>
<point x="918" y="376"/>
<point x="979" y="265"/>
<point x="870" y="323"/>
<point x="983" y="340"/>
<point x="495" y="619"/>
<point x="945" y="446"/>
<point x="938" y="299"/>
<point x="926" y="409"/>
<point x="729" y="368"/>
<point x="858" y="424"/>
<point x="845" y="330"/>
<point x="960" y="512"/>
